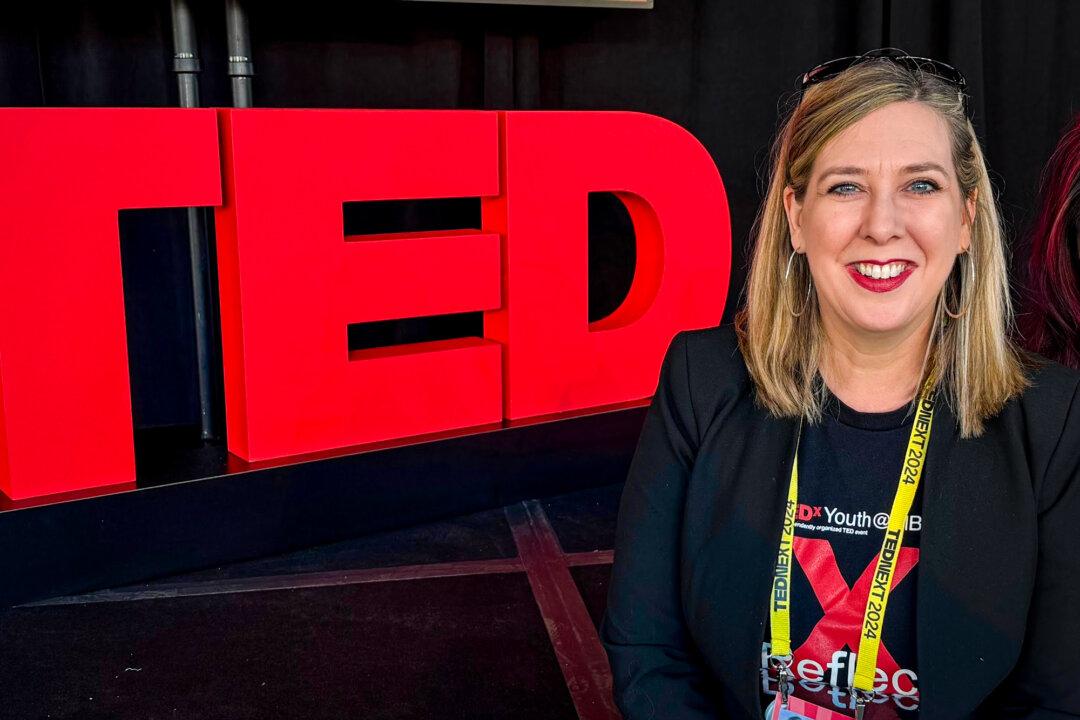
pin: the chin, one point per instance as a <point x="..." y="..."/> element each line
<point x="881" y="321"/>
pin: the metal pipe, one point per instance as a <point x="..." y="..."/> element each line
<point x="185" y="54"/>
<point x="186" y="67"/>
<point x="238" y="36"/>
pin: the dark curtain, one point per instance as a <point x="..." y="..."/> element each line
<point x="724" y="70"/>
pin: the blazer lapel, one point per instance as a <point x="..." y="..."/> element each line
<point x="730" y="606"/>
<point x="975" y="569"/>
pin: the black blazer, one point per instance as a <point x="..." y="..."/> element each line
<point x="998" y="595"/>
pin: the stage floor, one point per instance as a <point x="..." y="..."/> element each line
<point x="489" y="615"/>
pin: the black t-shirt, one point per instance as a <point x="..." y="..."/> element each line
<point x="849" y="468"/>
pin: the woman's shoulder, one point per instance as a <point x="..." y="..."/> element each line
<point x="713" y="360"/>
<point x="1050" y="375"/>
<point x="1051" y="389"/>
<point x="712" y="348"/>
<point x="1047" y="415"/>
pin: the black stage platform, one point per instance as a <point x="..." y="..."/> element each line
<point x="196" y="506"/>
<point x="487" y="615"/>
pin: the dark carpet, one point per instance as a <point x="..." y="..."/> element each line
<point x="472" y="646"/>
<point x="457" y="647"/>
<point x="480" y="536"/>
<point x="585" y="520"/>
<point x="592" y="583"/>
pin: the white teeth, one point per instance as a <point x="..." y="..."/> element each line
<point x="881" y="272"/>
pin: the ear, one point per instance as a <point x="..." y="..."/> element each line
<point x="968" y="220"/>
<point x="793" y="209"/>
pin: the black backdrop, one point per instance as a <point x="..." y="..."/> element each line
<point x="721" y="68"/>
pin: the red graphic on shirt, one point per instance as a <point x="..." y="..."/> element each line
<point x="844" y="607"/>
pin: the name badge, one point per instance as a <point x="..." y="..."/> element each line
<point x="800" y="710"/>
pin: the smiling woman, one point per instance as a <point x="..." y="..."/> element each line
<point x="880" y="184"/>
<point x="860" y="499"/>
<point x="893" y="227"/>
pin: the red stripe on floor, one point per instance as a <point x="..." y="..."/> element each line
<point x="573" y="635"/>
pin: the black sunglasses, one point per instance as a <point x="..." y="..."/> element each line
<point x="832" y="68"/>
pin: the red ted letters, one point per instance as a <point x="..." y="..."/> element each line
<point x="291" y="281"/>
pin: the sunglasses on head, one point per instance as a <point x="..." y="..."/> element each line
<point x="832" y="68"/>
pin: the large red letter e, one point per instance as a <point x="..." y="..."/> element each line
<point x="291" y="282"/>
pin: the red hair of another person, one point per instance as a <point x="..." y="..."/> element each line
<point x="1050" y="324"/>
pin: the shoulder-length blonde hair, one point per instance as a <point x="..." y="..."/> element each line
<point x="972" y="358"/>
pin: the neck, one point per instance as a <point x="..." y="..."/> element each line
<point x="874" y="372"/>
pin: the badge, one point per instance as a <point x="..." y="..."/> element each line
<point x="801" y="710"/>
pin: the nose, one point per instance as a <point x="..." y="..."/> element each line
<point x="881" y="221"/>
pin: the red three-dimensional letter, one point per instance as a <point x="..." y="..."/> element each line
<point x="291" y="282"/>
<point x="557" y="360"/>
<point x="65" y="397"/>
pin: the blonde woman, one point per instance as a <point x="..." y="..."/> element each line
<point x="861" y="499"/>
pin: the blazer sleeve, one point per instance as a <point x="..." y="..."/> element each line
<point x="1045" y="683"/>
<point x="656" y="670"/>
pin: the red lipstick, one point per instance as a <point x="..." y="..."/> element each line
<point x="880" y="285"/>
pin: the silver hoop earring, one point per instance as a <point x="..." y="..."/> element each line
<point x="809" y="286"/>
<point x="966" y="304"/>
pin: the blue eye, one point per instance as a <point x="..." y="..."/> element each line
<point x="844" y="189"/>
<point x="924" y="187"/>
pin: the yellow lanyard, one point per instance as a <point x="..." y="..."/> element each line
<point x="881" y="586"/>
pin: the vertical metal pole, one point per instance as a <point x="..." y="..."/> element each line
<point x="185" y="57"/>
<point x="186" y="67"/>
<point x="241" y="69"/>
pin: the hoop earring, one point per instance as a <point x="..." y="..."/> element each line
<point x="790" y="258"/>
<point x="967" y="303"/>
<point x="809" y="287"/>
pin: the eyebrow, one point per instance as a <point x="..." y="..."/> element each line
<point x="908" y="170"/>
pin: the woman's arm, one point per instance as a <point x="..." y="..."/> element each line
<point x="656" y="670"/>
<point x="1046" y="681"/>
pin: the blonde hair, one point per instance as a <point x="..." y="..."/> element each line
<point x="972" y="359"/>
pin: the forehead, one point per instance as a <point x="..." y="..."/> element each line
<point x="892" y="137"/>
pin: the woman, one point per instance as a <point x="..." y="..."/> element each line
<point x="1051" y="322"/>
<point x="928" y="528"/>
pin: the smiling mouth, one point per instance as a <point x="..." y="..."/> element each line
<point x="881" y="277"/>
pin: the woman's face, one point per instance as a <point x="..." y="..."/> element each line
<point x="882" y="220"/>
